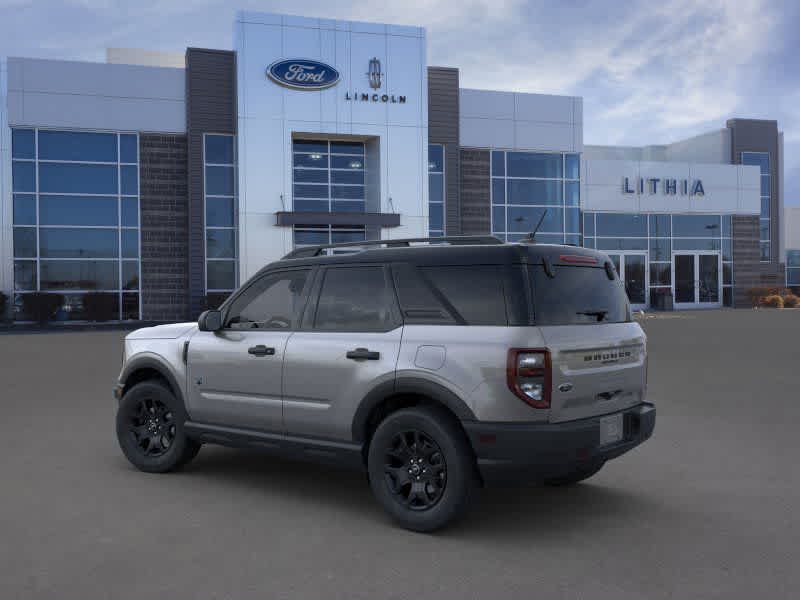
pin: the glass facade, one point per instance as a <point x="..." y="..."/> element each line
<point x="761" y="160"/>
<point x="793" y="268"/>
<point x="659" y="236"/>
<point x="528" y="187"/>
<point x="76" y="218"/>
<point x="436" y="192"/>
<point x="328" y="176"/>
<point x="219" y="160"/>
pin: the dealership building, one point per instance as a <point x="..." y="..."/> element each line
<point x="167" y="180"/>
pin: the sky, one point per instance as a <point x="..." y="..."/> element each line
<point x="649" y="72"/>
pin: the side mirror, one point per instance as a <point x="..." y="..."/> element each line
<point x="210" y="320"/>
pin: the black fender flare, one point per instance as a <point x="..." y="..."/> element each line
<point x="150" y="362"/>
<point x="407" y="385"/>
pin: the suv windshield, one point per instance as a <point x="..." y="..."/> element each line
<point x="578" y="295"/>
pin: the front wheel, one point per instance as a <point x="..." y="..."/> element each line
<point x="150" y="430"/>
<point x="421" y="468"/>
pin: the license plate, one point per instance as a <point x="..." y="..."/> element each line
<point x="611" y="429"/>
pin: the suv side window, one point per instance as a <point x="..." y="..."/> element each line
<point x="272" y="302"/>
<point x="355" y="299"/>
<point x="475" y="293"/>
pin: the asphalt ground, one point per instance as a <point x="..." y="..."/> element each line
<point x="708" y="508"/>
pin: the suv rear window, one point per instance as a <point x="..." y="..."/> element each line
<point x="578" y="295"/>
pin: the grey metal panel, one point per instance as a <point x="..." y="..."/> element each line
<point x="210" y="108"/>
<point x="755" y="135"/>
<point x="476" y="215"/>
<point x="164" y="227"/>
<point x="86" y="95"/>
<point x="443" y="128"/>
<point x="337" y="218"/>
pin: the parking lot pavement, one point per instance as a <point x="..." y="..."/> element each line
<point x="706" y="509"/>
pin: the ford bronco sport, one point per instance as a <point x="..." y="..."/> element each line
<point x="435" y="367"/>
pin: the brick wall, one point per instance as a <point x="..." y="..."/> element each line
<point x="165" y="227"/>
<point x="748" y="271"/>
<point x="476" y="216"/>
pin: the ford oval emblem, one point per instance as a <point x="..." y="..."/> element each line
<point x="303" y="74"/>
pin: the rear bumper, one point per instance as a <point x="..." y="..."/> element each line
<point x="536" y="451"/>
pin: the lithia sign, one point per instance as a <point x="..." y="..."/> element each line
<point x="667" y="186"/>
<point x="306" y="74"/>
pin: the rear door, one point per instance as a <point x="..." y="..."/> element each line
<point x="348" y="345"/>
<point x="598" y="353"/>
<point x="235" y="374"/>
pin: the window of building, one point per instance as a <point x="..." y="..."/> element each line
<point x="219" y="158"/>
<point x="761" y="160"/>
<point x="355" y="299"/>
<point x="531" y="186"/>
<point x="328" y="176"/>
<point x="436" y="192"/>
<point x="659" y="235"/>
<point x="272" y="302"/>
<point x="793" y="268"/>
<point x="76" y="219"/>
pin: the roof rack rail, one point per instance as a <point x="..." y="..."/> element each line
<point x="310" y="251"/>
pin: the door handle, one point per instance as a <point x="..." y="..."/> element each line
<point x="363" y="354"/>
<point x="261" y="350"/>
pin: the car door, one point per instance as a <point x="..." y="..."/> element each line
<point x="235" y="374"/>
<point x="349" y="343"/>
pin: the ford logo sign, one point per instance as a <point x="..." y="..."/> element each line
<point x="303" y="74"/>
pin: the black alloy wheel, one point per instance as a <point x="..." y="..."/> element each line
<point x="415" y="470"/>
<point x="152" y="425"/>
<point x="150" y="428"/>
<point x="421" y="467"/>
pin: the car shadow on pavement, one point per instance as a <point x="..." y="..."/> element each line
<point x="508" y="511"/>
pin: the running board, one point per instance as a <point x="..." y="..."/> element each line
<point x="344" y="454"/>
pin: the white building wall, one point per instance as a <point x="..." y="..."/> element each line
<point x="82" y="95"/>
<point x="729" y="189"/>
<point x="791" y="228"/>
<point x="713" y="147"/>
<point x="511" y="120"/>
<point x="269" y="115"/>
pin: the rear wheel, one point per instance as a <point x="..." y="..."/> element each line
<point x="421" y="468"/>
<point x="150" y="430"/>
<point x="576" y="476"/>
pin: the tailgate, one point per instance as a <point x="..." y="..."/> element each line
<point x="596" y="369"/>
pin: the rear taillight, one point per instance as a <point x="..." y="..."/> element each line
<point x="528" y="373"/>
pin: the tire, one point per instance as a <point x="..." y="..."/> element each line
<point x="421" y="468"/>
<point x="575" y="476"/>
<point x="150" y="429"/>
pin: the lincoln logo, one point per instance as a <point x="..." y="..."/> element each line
<point x="301" y="74"/>
<point x="374" y="74"/>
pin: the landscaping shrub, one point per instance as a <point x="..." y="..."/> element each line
<point x="790" y="301"/>
<point x="773" y="301"/>
<point x="41" y="306"/>
<point x="758" y="295"/>
<point x="98" y="306"/>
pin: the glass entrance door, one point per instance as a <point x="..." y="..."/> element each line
<point x="696" y="279"/>
<point x="632" y="269"/>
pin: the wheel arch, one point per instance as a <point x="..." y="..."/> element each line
<point x="404" y="392"/>
<point x="145" y="368"/>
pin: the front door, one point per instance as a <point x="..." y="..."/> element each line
<point x="348" y="346"/>
<point x="696" y="279"/>
<point x="632" y="270"/>
<point x="235" y="374"/>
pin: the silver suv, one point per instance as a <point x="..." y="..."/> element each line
<point x="435" y="367"/>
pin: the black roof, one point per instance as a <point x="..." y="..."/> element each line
<point x="459" y="253"/>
